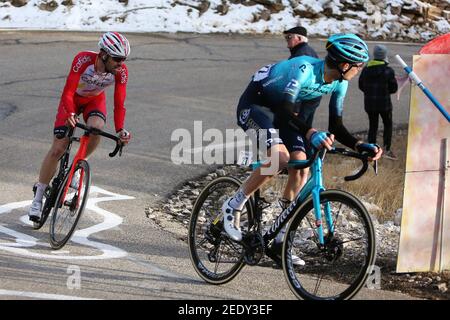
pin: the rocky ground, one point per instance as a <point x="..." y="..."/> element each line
<point x="173" y="215"/>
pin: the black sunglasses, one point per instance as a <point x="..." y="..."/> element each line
<point x="358" y="65"/>
<point x="118" y="59"/>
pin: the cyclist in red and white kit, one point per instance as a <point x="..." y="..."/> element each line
<point x="84" y="93"/>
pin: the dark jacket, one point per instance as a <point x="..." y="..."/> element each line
<point x="305" y="109"/>
<point x="378" y="82"/>
<point x="303" y="49"/>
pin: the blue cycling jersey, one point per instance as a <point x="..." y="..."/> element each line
<point x="298" y="79"/>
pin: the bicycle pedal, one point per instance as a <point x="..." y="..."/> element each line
<point x="264" y="204"/>
<point x="71" y="204"/>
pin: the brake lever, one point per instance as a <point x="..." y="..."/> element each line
<point x="324" y="154"/>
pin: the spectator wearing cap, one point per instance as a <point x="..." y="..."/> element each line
<point x="297" y="43"/>
<point x="377" y="81"/>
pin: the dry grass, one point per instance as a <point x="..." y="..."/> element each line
<point x="385" y="190"/>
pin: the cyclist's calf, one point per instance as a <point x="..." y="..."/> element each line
<point x="50" y="162"/>
<point x="297" y="177"/>
<point x="283" y="159"/>
<point x="58" y="148"/>
<point x="278" y="160"/>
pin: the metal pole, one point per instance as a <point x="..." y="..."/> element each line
<point x="443" y="211"/>
<point x="413" y="76"/>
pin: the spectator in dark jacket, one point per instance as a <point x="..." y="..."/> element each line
<point x="377" y="81"/>
<point x="297" y="42"/>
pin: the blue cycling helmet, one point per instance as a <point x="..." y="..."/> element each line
<point x="347" y="48"/>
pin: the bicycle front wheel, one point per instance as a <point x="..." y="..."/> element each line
<point x="215" y="257"/>
<point x="69" y="205"/>
<point x="49" y="197"/>
<point x="338" y="268"/>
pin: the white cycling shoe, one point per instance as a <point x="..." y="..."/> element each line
<point x="75" y="180"/>
<point x="35" y="211"/>
<point x="229" y="221"/>
<point x="297" y="261"/>
<point x="274" y="252"/>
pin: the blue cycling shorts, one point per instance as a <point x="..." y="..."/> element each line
<point x="258" y="117"/>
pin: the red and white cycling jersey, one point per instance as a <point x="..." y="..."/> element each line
<point x="84" y="81"/>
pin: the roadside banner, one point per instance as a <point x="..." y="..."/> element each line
<point x="425" y="227"/>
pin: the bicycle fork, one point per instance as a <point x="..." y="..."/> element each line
<point x="317" y="189"/>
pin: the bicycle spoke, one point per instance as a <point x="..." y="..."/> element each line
<point x="351" y="240"/>
<point x="62" y="217"/>
<point x="215" y="258"/>
<point x="335" y="220"/>
<point x="219" y="255"/>
<point x="232" y="245"/>
<point x="316" y="289"/>
<point x="201" y="242"/>
<point x="69" y="209"/>
<point x="315" y="233"/>
<point x="337" y="268"/>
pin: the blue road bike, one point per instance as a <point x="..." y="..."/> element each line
<point x="330" y="230"/>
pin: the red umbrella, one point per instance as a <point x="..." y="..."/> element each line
<point x="439" y="45"/>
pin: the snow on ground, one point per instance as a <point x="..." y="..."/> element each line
<point x="184" y="16"/>
<point x="140" y="16"/>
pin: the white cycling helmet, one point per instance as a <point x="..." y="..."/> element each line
<point x="115" y="44"/>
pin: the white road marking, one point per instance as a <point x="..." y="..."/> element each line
<point x="40" y="295"/>
<point x="111" y="220"/>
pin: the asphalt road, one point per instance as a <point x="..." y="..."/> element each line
<point x="174" y="80"/>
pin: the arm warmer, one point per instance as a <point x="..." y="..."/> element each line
<point x="336" y="127"/>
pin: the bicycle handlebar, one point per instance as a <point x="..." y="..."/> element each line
<point x="363" y="157"/>
<point x="119" y="144"/>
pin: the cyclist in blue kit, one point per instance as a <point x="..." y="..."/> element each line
<point x="268" y="103"/>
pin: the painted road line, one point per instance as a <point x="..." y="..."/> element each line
<point x="40" y="295"/>
<point x="110" y="220"/>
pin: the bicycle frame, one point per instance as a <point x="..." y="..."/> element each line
<point x="210" y="245"/>
<point x="80" y="155"/>
<point x="314" y="186"/>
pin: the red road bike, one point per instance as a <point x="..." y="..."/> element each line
<point x="67" y="194"/>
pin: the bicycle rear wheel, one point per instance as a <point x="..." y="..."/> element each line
<point x="69" y="207"/>
<point x="215" y="257"/>
<point x="338" y="269"/>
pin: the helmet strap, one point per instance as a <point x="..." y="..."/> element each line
<point x="333" y="64"/>
<point x="342" y="72"/>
